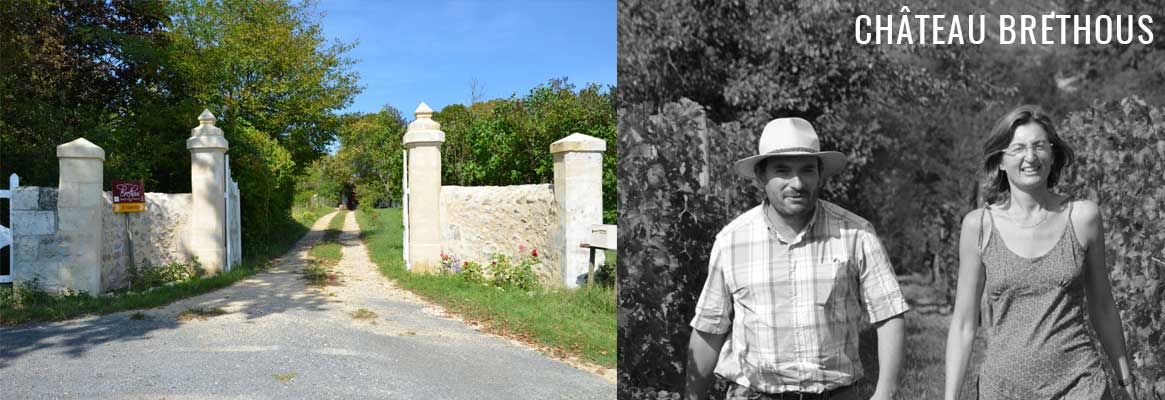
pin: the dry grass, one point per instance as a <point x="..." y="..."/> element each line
<point x="285" y="378"/>
<point x="320" y="274"/>
<point x="363" y="314"/>
<point x="200" y="313"/>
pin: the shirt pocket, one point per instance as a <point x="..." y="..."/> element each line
<point x="831" y="283"/>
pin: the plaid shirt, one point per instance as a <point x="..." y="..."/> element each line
<point x="794" y="307"/>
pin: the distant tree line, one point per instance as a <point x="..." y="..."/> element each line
<point x="495" y="142"/>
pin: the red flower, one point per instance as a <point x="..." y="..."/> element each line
<point x="521" y="248"/>
<point x="534" y="253"/>
<point x="465" y="264"/>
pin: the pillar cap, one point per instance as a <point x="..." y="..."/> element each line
<point x="207" y="142"/>
<point x="578" y="142"/>
<point x="80" y="148"/>
<point x="206" y="118"/>
<point x="424" y="119"/>
<point x="206" y="135"/>
<point x="423" y="130"/>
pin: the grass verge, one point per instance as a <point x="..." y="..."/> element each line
<point x="580" y="323"/>
<point x="19" y="306"/>
<point x="328" y="248"/>
<point x="325" y="255"/>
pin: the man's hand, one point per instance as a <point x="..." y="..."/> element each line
<point x="703" y="352"/>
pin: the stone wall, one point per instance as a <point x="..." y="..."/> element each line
<point x="40" y="250"/>
<point x="156" y="234"/>
<point x="37" y="247"/>
<point x="480" y="221"/>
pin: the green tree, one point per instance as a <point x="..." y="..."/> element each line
<point x="98" y="70"/>
<point x="317" y="185"/>
<point x="507" y="141"/>
<point x="370" y="156"/>
<point x="268" y="63"/>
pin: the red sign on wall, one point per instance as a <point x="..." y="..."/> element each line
<point x="129" y="196"/>
<point x="128" y="191"/>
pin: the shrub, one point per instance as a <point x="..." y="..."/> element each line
<point x="25" y="294"/>
<point x="264" y="170"/>
<point x="514" y="271"/>
<point x="450" y="265"/>
<point x="663" y="261"/>
<point x="503" y="271"/>
<point x="605" y="274"/>
<point x="1120" y="148"/>
<point x="148" y="276"/>
<point x="472" y="271"/>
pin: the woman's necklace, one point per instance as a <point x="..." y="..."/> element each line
<point x="1042" y="219"/>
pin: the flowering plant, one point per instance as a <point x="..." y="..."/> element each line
<point x="473" y="272"/>
<point x="502" y="271"/>
<point x="450" y="264"/>
<point x="515" y="271"/>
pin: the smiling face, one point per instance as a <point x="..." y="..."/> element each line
<point x="1028" y="159"/>
<point x="791" y="184"/>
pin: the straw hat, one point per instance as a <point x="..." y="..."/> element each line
<point x="784" y="137"/>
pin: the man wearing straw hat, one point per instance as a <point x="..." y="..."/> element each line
<point x="789" y="283"/>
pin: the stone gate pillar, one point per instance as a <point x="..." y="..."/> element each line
<point x="578" y="189"/>
<point x="423" y="141"/>
<point x="206" y="233"/>
<point x="79" y="216"/>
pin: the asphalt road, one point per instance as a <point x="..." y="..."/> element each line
<point x="281" y="340"/>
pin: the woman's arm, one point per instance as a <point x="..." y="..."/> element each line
<point x="965" y="316"/>
<point x="1101" y="307"/>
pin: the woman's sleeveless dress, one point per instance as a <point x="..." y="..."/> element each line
<point x="1038" y="344"/>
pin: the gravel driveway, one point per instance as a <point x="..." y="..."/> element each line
<point x="281" y="339"/>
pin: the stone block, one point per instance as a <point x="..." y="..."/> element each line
<point x="424" y="138"/>
<point x="25" y="198"/>
<point x="26" y="223"/>
<point x="216" y="144"/>
<point x="47" y="200"/>
<point x="79" y="219"/>
<point x="79" y="195"/>
<point x="25" y="248"/>
<point x="44" y="273"/>
<point x="81" y="170"/>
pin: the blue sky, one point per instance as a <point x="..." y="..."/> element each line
<point x="431" y="51"/>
